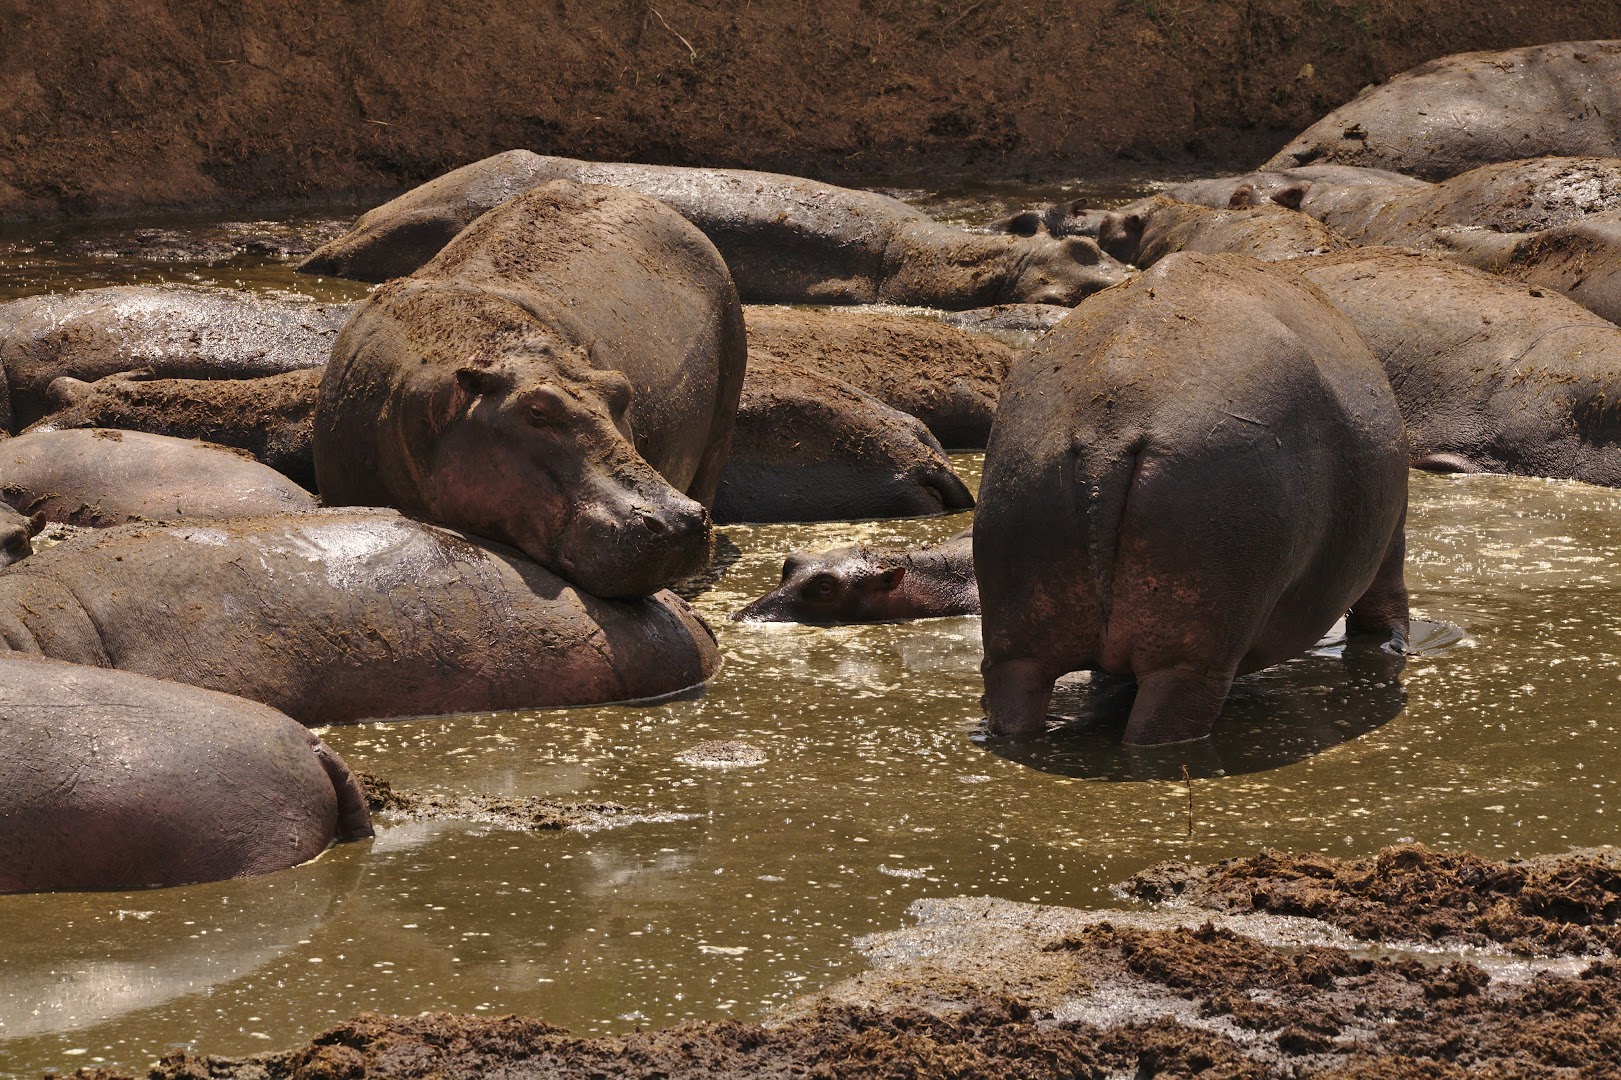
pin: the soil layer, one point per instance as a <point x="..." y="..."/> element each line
<point x="113" y="107"/>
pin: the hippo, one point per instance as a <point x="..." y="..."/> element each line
<point x="1582" y="259"/>
<point x="272" y="417"/>
<point x="101" y="476"/>
<point x="169" y="331"/>
<point x="860" y="584"/>
<point x="1490" y="376"/>
<point x="1071" y="218"/>
<point x="1192" y="477"/>
<point x="561" y="378"/>
<point x="339" y="615"/>
<point x="1470" y="109"/>
<point x="113" y="780"/>
<point x="946" y="377"/>
<point x="809" y="447"/>
<point x="17" y="532"/>
<point x="786" y="240"/>
<point x="1143" y="232"/>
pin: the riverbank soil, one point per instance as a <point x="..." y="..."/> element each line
<point x="991" y="988"/>
<point x="114" y="107"/>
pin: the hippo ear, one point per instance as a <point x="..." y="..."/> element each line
<point x="891" y="578"/>
<point x="1026" y="224"/>
<point x="478" y="381"/>
<point x="1292" y="195"/>
<point x="1244" y="195"/>
<point x="36" y="522"/>
<point x="792" y="563"/>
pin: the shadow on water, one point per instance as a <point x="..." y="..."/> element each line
<point x="1337" y="692"/>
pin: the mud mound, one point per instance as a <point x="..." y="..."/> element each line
<point x="525" y="813"/>
<point x="1552" y="905"/>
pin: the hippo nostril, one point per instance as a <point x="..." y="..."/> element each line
<point x="655" y="524"/>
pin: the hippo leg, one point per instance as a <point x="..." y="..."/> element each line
<point x="354" y="818"/>
<point x="1017" y="692"/>
<point x="1176" y="705"/>
<point x="1383" y="608"/>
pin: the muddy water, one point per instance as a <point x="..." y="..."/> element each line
<point x="733" y="889"/>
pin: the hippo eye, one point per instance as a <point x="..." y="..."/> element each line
<point x="821" y="587"/>
<point x="545" y="406"/>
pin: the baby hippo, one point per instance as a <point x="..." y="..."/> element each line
<point x="861" y="584"/>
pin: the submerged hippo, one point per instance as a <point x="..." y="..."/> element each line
<point x="112" y="780"/>
<point x="339" y="615"/>
<point x="102" y="477"/>
<point x="272" y="418"/>
<point x="809" y="447"/>
<point x="1455" y="113"/>
<point x="946" y="377"/>
<point x="170" y="331"/>
<point x="1489" y="375"/>
<point x="562" y="378"/>
<point x="860" y="584"/>
<point x="785" y="239"/>
<point x="1192" y="477"/>
<point x="1145" y="232"/>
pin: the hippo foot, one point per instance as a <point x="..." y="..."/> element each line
<point x="1175" y="705"/>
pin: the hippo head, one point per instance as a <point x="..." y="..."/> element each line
<point x="536" y="450"/>
<point x="844" y="585"/>
<point x="1288" y="194"/>
<point x="17" y="534"/>
<point x="1072" y="218"/>
<point x="1061" y="271"/>
<point x="1120" y="233"/>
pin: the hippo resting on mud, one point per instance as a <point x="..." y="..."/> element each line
<point x="785" y="239"/>
<point x="98" y="478"/>
<point x="1145" y="232"/>
<point x="1490" y="376"/>
<point x="1455" y="113"/>
<point x="17" y="533"/>
<point x="1192" y="477"/>
<point x="340" y="615"/>
<point x="111" y="780"/>
<point x="1581" y="259"/>
<point x="171" y="331"/>
<point x="860" y="584"/>
<point x="562" y="377"/>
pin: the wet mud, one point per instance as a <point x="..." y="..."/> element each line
<point x="526" y="813"/>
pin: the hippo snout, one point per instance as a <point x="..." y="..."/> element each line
<point x="623" y="553"/>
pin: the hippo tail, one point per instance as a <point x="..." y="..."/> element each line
<point x="1104" y="484"/>
<point x="354" y="817"/>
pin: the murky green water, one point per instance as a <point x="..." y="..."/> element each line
<point x="743" y="887"/>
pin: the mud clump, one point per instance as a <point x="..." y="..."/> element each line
<point x="1546" y="906"/>
<point x="521" y="812"/>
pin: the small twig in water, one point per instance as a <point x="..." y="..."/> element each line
<point x="671" y="29"/>
<point x="1188" y="780"/>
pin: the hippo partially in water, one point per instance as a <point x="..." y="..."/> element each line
<point x="859" y="584"/>
<point x="1144" y="232"/>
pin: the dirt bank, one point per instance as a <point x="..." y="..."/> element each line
<point x="112" y="106"/>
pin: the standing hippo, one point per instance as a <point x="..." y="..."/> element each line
<point x="171" y="331"/>
<point x="860" y="584"/>
<point x="786" y="240"/>
<point x="562" y="378"/>
<point x="1192" y="477"/>
<point x="111" y="780"/>
<point x="1145" y="232"/>
<point x="340" y="615"/>
<point x="946" y="377"/>
<point x="101" y="477"/>
<point x="809" y="447"/>
<point x="272" y="418"/>
<point x="1470" y="109"/>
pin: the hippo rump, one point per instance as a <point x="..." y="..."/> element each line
<point x="1192" y="477"/>
<point x="1455" y="113"/>
<point x="272" y="418"/>
<point x="562" y="378"/>
<point x="100" y="477"/>
<point x="1490" y="376"/>
<point x="112" y="780"/>
<point x="809" y="447"/>
<point x="862" y="584"/>
<point x="785" y="239"/>
<point x="170" y="331"/>
<point x="946" y="377"/>
<point x="1144" y="232"/>
<point x="340" y="615"/>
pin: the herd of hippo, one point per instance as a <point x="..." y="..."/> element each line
<point x="522" y="438"/>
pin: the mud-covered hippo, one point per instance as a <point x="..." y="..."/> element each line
<point x="1461" y="111"/>
<point x="1192" y="477"/>
<point x="339" y="615"/>
<point x="169" y="331"/>
<point x="1144" y="232"/>
<point x="809" y="447"/>
<point x="99" y="477"/>
<point x="1582" y="259"/>
<point x="859" y="584"/>
<point x="785" y="239"/>
<point x="561" y="378"/>
<point x="112" y="780"/>
<point x="272" y="418"/>
<point x="946" y="377"/>
<point x="1490" y="375"/>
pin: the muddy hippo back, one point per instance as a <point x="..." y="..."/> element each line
<point x="563" y="378"/>
<point x="112" y="780"/>
<point x="337" y="615"/>
<point x="107" y="477"/>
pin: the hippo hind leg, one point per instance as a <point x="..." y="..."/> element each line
<point x="1176" y="705"/>
<point x="1017" y="692"/>
<point x="1382" y="609"/>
